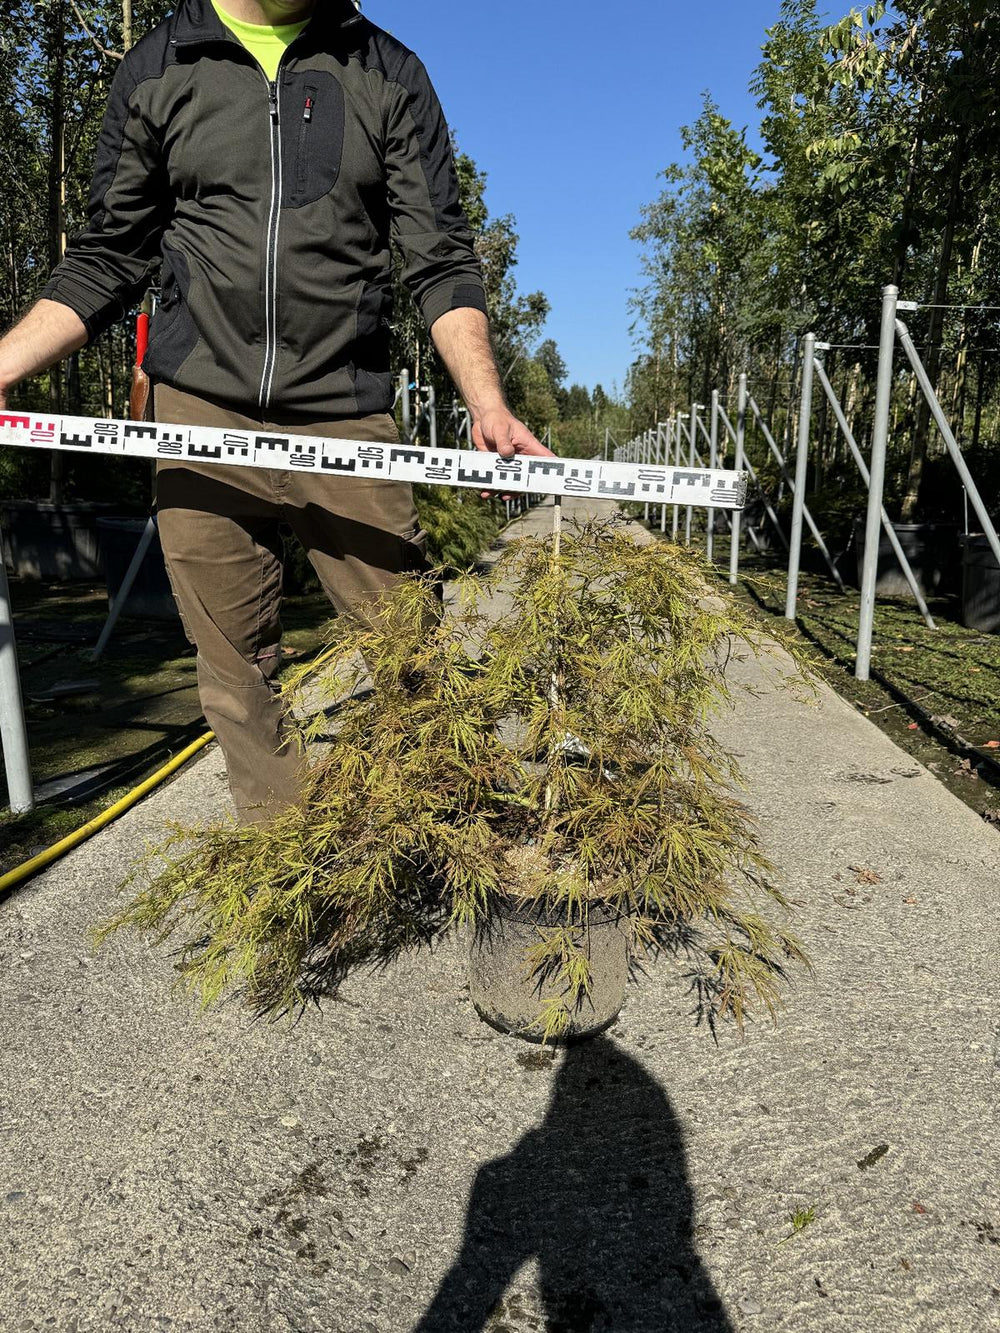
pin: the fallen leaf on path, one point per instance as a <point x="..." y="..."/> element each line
<point x="866" y="875"/>
<point x="991" y="745"/>
<point x="911" y="901"/>
<point x="913" y="726"/>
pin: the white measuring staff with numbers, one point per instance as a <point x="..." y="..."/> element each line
<point x="710" y="488"/>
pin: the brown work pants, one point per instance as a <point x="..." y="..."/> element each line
<point x="219" y="530"/>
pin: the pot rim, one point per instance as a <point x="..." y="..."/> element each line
<point x="543" y="911"/>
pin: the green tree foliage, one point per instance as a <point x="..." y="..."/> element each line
<point x="550" y="359"/>
<point x="56" y="66"/>
<point x="879" y="165"/>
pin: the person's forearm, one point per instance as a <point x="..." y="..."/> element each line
<point x="48" y="333"/>
<point x="462" y="338"/>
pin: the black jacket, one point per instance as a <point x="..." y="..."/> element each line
<point x="273" y="206"/>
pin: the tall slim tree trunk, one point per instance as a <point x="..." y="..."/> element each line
<point x="918" y="452"/>
<point x="977" y="424"/>
<point x="56" y="42"/>
<point x="772" y="393"/>
<point x="962" y="361"/>
<point x="899" y="268"/>
<point x="851" y="402"/>
<point x="821" y="462"/>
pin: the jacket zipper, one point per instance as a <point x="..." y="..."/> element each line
<point x="300" y="162"/>
<point x="274" y="215"/>
<point x="271" y="260"/>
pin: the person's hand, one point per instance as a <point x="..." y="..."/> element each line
<point x="500" y="432"/>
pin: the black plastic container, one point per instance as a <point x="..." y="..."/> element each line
<point x="150" y="595"/>
<point x="53" y="543"/>
<point x="932" y="550"/>
<point x="980" y="585"/>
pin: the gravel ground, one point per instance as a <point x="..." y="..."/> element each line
<point x="390" y="1165"/>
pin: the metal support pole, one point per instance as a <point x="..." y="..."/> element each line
<point x="801" y="474"/>
<point x="662" y="448"/>
<point x="713" y="462"/>
<point x="432" y="412"/>
<point x="13" y="732"/>
<point x="887" y="527"/>
<point x="404" y="394"/>
<point x="741" y="430"/>
<point x="948" y="435"/>
<point x="692" y="437"/>
<point x="647" y="458"/>
<point x="678" y="462"/>
<point x="876" y="482"/>
<point x="131" y="574"/>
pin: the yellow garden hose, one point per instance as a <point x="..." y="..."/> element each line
<point x="59" y="849"/>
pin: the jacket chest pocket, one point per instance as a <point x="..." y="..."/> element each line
<point x="313" y="141"/>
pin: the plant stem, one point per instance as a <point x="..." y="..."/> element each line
<point x="554" y="682"/>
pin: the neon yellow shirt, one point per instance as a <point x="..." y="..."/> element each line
<point x="264" y="42"/>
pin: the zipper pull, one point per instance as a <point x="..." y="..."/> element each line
<point x="307" y="113"/>
<point x="272" y="89"/>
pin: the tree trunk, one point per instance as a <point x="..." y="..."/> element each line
<point x="962" y="364"/>
<point x="918" y="453"/>
<point x="821" y="459"/>
<point x="56" y="42"/>
<point x="772" y="393"/>
<point x="127" y="41"/>
<point x="980" y="399"/>
<point x="851" y="401"/>
<point x="906" y="217"/>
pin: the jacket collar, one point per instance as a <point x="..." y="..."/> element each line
<point x="197" y="21"/>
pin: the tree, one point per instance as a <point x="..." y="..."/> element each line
<point x="879" y="164"/>
<point x="549" y="358"/>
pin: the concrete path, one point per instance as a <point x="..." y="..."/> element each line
<point x="390" y="1165"/>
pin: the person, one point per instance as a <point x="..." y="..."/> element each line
<point x="264" y="157"/>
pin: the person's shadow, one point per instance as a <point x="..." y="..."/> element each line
<point x="598" y="1194"/>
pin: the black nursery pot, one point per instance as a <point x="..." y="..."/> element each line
<point x="510" y="999"/>
<point x="930" y="548"/>
<point x="55" y="543"/>
<point x="150" y="596"/>
<point x="980" y="585"/>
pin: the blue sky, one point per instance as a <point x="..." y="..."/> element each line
<point x="573" y="107"/>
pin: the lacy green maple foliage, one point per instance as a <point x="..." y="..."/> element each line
<point x="549" y="741"/>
